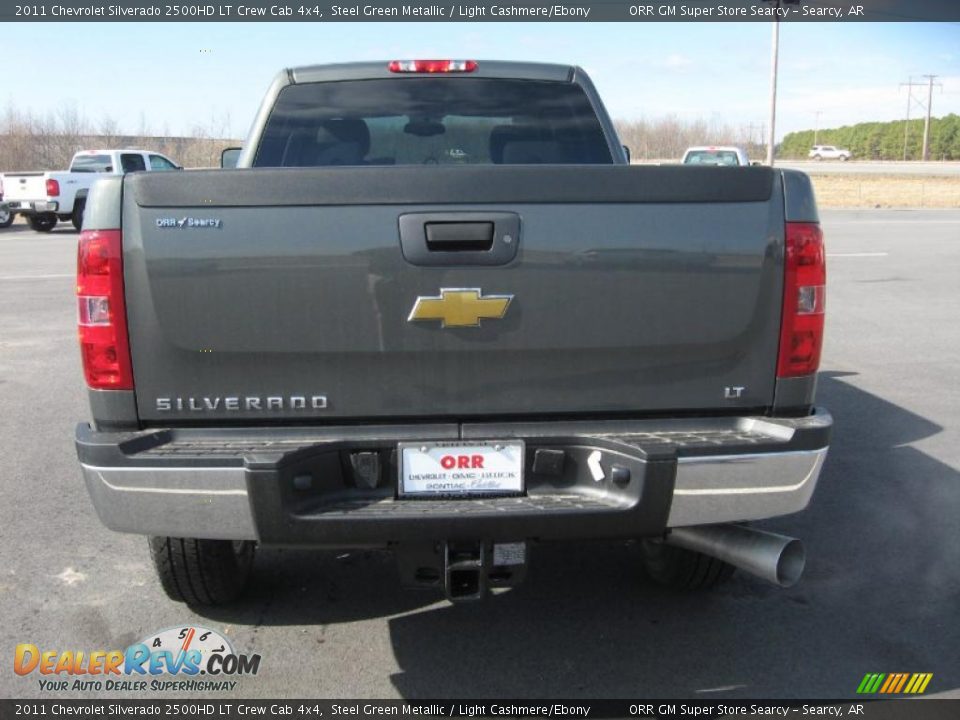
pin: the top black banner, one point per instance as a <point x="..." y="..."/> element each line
<point x="486" y="11"/>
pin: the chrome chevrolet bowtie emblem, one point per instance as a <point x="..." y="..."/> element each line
<point x="460" y="307"/>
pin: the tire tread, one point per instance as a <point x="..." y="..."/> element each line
<point x="201" y="572"/>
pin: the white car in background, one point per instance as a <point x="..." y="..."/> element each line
<point x="722" y="155"/>
<point x="829" y="152"/>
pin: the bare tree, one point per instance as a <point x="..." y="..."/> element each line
<point x="109" y="133"/>
<point x="47" y="142"/>
<point x="29" y="141"/>
<point x="667" y="137"/>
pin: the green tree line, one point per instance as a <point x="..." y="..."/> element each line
<point x="882" y="140"/>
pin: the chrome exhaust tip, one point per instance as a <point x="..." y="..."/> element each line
<point x="778" y="559"/>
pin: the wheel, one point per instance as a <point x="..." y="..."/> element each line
<point x="202" y="572"/>
<point x="817" y="158"/>
<point x="6" y="218"/>
<point x="42" y="223"/>
<point x="683" y="569"/>
<point x="843" y="158"/>
<point x="77" y="217"/>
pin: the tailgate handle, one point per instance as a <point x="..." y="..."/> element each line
<point x="459" y="236"/>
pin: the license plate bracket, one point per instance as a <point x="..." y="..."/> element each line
<point x="460" y="469"/>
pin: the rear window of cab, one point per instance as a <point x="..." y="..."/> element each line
<point x="432" y="121"/>
<point x="711" y="157"/>
<point x="91" y="163"/>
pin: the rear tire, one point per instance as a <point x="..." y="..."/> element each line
<point x="77" y="217"/>
<point x="202" y="572"/>
<point x="6" y="218"/>
<point x="683" y="569"/>
<point x="818" y="158"/>
<point x="42" y="223"/>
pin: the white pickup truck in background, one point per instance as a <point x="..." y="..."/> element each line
<point x="43" y="198"/>
<point x="723" y="156"/>
<point x="6" y="217"/>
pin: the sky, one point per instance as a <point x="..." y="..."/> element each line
<point x="170" y="78"/>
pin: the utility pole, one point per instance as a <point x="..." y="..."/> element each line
<point x="774" y="53"/>
<point x="926" y="124"/>
<point x="816" y="125"/>
<point x="910" y="85"/>
<point x="775" y="50"/>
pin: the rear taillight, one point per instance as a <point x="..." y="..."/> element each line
<point x="432" y="66"/>
<point x="101" y="312"/>
<point x="804" y="296"/>
<point x="53" y="188"/>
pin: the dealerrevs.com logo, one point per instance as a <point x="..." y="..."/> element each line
<point x="179" y="659"/>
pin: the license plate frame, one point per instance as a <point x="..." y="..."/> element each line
<point x="505" y="458"/>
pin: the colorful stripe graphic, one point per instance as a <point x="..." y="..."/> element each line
<point x="894" y="683"/>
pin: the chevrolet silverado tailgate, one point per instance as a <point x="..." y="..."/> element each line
<point x="281" y="295"/>
<point x="23" y="186"/>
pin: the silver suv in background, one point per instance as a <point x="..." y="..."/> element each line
<point x="829" y="152"/>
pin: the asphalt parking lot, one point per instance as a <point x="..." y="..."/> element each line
<point x="881" y="592"/>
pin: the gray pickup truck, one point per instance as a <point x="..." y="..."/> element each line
<point x="434" y="309"/>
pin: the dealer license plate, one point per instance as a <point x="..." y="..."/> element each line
<point x="452" y="468"/>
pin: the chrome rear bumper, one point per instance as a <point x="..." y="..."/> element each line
<point x="732" y="488"/>
<point x="179" y="502"/>
<point x="243" y="484"/>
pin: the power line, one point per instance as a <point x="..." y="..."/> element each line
<point x="909" y="84"/>
<point x="926" y="124"/>
<point x="816" y="125"/>
<point x="926" y="107"/>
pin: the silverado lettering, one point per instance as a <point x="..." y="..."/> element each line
<point x="248" y="402"/>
